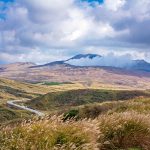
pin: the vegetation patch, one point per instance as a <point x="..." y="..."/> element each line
<point x="57" y="100"/>
<point x="52" y="83"/>
<point x="56" y="83"/>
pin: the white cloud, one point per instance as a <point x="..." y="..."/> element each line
<point x="140" y="9"/>
<point x="114" y="5"/>
<point x="34" y="55"/>
<point x="46" y="26"/>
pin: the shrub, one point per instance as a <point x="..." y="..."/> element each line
<point x="71" y="114"/>
<point x="94" y="110"/>
<point x="124" y="131"/>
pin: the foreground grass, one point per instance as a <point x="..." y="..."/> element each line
<point x="49" y="134"/>
<point x="126" y="131"/>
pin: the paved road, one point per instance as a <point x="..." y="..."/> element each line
<point x="13" y="103"/>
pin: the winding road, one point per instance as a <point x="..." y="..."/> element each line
<point x="13" y="104"/>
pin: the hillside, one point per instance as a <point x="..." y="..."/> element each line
<point x="10" y="89"/>
<point x="65" y="99"/>
<point x="8" y="115"/>
<point x="16" y="90"/>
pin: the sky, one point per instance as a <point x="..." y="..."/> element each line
<point x="47" y="30"/>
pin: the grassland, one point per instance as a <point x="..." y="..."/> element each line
<point x="79" y="119"/>
<point x="14" y="90"/>
<point x="52" y="83"/>
<point x="117" y="126"/>
<point x="64" y="99"/>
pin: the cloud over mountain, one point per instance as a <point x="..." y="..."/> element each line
<point x="108" y="60"/>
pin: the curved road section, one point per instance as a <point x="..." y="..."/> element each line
<point x="13" y="104"/>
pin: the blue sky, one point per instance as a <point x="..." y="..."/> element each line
<point x="6" y="1"/>
<point x="50" y="30"/>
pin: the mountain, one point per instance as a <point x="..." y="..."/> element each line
<point x="136" y="75"/>
<point x="94" y="60"/>
<point x="141" y="65"/>
<point x="66" y="62"/>
<point x="49" y="64"/>
<point x="79" y="56"/>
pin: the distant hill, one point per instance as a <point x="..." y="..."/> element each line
<point x="17" y="65"/>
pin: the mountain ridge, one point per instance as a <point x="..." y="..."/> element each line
<point x="140" y="65"/>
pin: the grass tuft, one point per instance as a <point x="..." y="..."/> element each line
<point x="125" y="130"/>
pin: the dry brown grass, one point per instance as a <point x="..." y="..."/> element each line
<point x="128" y="130"/>
<point x="124" y="130"/>
<point x="50" y="134"/>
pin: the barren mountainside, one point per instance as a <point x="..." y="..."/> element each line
<point x="137" y="76"/>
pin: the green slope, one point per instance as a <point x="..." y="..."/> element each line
<point x="56" y="100"/>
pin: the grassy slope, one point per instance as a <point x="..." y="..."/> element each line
<point x="8" y="115"/>
<point x="119" y="129"/>
<point x="117" y="125"/>
<point x="54" y="100"/>
<point x="121" y="125"/>
<point x="14" y="90"/>
<point x="10" y="89"/>
<point x="139" y="105"/>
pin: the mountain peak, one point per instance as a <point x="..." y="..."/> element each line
<point x="79" y="56"/>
